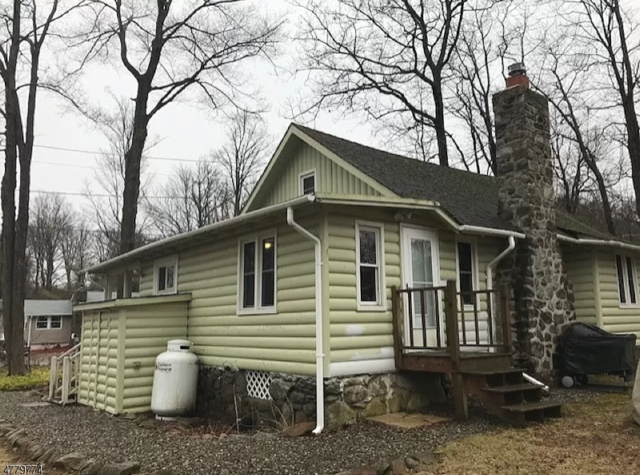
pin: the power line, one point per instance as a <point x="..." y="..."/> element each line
<point x="86" y="167"/>
<point x="103" y="195"/>
<point x="93" y="152"/>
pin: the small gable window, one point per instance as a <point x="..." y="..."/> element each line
<point x="308" y="183"/>
<point x="627" y="280"/>
<point x="369" y="255"/>
<point x="257" y="283"/>
<point x="165" y="276"/>
<point x="466" y="272"/>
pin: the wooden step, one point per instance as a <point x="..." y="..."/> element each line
<point x="533" y="406"/>
<point x="512" y="388"/>
<point x="496" y="371"/>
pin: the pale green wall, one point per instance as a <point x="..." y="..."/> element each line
<point x="119" y="348"/>
<point x="361" y="335"/>
<point x="616" y="318"/>
<point x="580" y="264"/>
<point x="284" y="183"/>
<point x="148" y="328"/>
<point x="99" y="360"/>
<point x="282" y="342"/>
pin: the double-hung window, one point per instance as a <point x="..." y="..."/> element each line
<point x="53" y="322"/>
<point x="369" y="252"/>
<point x="165" y="276"/>
<point x="257" y="282"/>
<point x="627" y="280"/>
<point x="466" y="270"/>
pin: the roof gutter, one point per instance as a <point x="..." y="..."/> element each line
<point x="466" y="228"/>
<point x="599" y="242"/>
<point x="196" y="232"/>
<point x="319" y="324"/>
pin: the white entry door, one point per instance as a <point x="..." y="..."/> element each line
<point x="420" y="269"/>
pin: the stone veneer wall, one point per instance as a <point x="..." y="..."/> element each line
<point x="541" y="290"/>
<point x="347" y="399"/>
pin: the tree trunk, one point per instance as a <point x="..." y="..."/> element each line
<point x="133" y="158"/>
<point x="633" y="147"/>
<point x="441" y="131"/>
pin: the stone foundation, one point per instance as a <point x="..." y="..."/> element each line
<point x="222" y="395"/>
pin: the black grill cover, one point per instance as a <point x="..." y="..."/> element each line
<point x="587" y="349"/>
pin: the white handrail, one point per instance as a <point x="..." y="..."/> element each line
<point x="65" y="385"/>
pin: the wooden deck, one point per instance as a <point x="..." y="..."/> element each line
<point x="481" y="367"/>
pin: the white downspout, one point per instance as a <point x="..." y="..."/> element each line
<point x="319" y="329"/>
<point x="493" y="263"/>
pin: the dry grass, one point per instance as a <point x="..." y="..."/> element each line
<point x="594" y="438"/>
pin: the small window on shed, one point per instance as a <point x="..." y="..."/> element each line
<point x="165" y="276"/>
<point x="42" y="323"/>
<point x="56" y="322"/>
<point x="308" y="183"/>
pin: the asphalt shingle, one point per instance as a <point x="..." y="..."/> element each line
<point x="471" y="198"/>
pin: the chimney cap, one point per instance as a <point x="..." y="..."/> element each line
<point x="517" y="69"/>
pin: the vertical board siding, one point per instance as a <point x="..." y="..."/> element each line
<point x="147" y="330"/>
<point x="360" y="335"/>
<point x="280" y="342"/>
<point x="616" y="318"/>
<point x="330" y="178"/>
<point x="579" y="263"/>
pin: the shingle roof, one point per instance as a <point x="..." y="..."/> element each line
<point x="470" y="198"/>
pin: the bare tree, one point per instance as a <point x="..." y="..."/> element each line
<point x="105" y="191"/>
<point x="582" y="128"/>
<point x="22" y="42"/>
<point x="168" y="49"/>
<point x="243" y="155"/>
<point x="385" y="57"/>
<point x="608" y="29"/>
<point x="193" y="197"/>
<point x="51" y="219"/>
<point x="76" y="250"/>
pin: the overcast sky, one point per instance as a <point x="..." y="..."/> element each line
<point x="186" y="131"/>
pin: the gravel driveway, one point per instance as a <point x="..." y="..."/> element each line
<point x="187" y="450"/>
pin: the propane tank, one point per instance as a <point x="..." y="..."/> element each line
<point x="175" y="381"/>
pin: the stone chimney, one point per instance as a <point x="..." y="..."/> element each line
<point x="543" y="296"/>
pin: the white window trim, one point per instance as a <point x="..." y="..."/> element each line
<point x="475" y="271"/>
<point x="304" y="175"/>
<point x="49" y="327"/>
<point x="381" y="304"/>
<point x="625" y="280"/>
<point x="257" y="309"/>
<point x="167" y="261"/>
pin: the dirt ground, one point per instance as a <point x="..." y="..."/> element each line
<point x="593" y="438"/>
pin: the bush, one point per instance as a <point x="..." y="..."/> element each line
<point x="35" y="378"/>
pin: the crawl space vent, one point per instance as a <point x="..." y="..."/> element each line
<point x="258" y="383"/>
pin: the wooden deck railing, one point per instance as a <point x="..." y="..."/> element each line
<point x="473" y="327"/>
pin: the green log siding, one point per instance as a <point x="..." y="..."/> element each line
<point x="284" y="184"/>
<point x="281" y="342"/>
<point x="99" y="360"/>
<point x="147" y="330"/>
<point x="367" y="335"/>
<point x="120" y="342"/>
<point x="580" y="265"/>
<point x="616" y="318"/>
